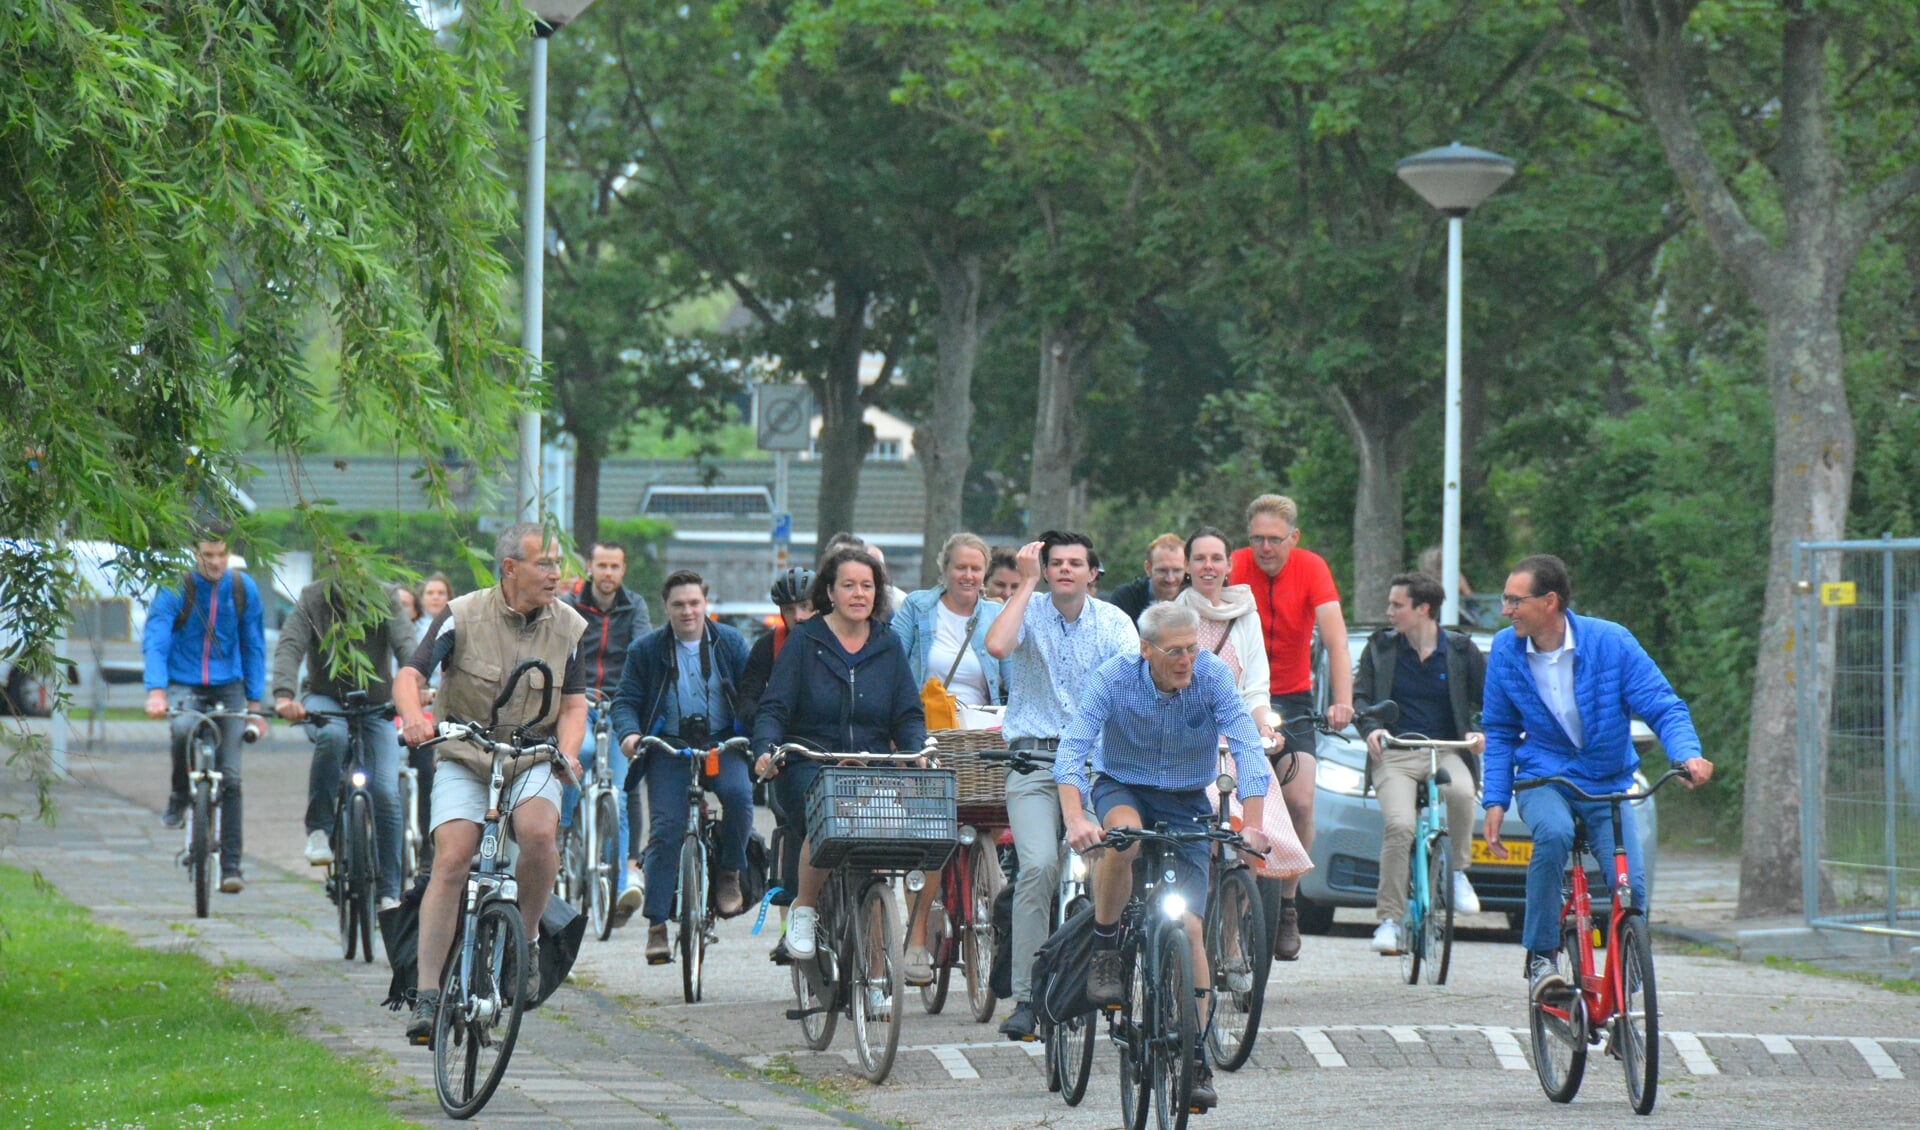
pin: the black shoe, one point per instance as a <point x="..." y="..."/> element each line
<point x="1019" y="1027"/>
<point x="1103" y="978"/>
<point x="1544" y="979"/>
<point x="426" y="1003"/>
<point x="780" y="956"/>
<point x="176" y="814"/>
<point x="1202" y="1096"/>
<point x="232" y="883"/>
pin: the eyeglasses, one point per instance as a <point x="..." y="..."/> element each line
<point x="1509" y="603"/>
<point x="546" y="565"/>
<point x="1268" y="542"/>
<point x="1170" y="574"/>
<point x="1175" y="652"/>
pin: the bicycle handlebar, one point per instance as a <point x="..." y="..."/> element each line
<point x="1386" y="712"/>
<point x="513" y="684"/>
<point x="454" y="729"/>
<point x="1122" y="838"/>
<point x="1604" y="798"/>
<point x="1019" y="760"/>
<point x="731" y="744"/>
<point x="598" y="699"/>
<point x="349" y="713"/>
<point x="780" y="753"/>
<point x="1421" y="741"/>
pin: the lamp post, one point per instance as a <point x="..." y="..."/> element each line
<point x="1455" y="179"/>
<point x="549" y="16"/>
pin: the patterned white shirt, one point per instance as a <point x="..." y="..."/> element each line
<point x="1054" y="658"/>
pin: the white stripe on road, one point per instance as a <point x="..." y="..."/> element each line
<point x="1693" y="1053"/>
<point x="955" y="1061"/>
<point x="1506" y="1048"/>
<point x="1877" y="1058"/>
<point x="1404" y="1035"/>
<point x="1778" y="1045"/>
<point x="1322" y="1049"/>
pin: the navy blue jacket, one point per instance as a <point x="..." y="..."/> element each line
<point x="868" y="705"/>
<point x="650" y="672"/>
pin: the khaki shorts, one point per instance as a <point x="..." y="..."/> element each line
<point x="461" y="794"/>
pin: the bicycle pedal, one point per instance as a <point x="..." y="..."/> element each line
<point x="664" y="960"/>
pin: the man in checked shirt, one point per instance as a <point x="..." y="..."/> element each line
<point x="1151" y="724"/>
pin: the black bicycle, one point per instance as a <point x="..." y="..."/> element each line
<point x="693" y="905"/>
<point x="483" y="989"/>
<point x="590" y="848"/>
<point x="203" y="790"/>
<point x="355" y="871"/>
<point x="1235" y="928"/>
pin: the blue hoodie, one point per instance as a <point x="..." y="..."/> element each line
<point x="1613" y="679"/>
<point x="211" y="648"/>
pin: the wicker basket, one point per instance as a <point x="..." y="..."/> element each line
<point x="978" y="783"/>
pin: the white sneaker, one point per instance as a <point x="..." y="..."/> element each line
<point x="319" y="852"/>
<point x="1386" y="938"/>
<point x="800" y="926"/>
<point x="387" y="904"/>
<point x="1465" y="900"/>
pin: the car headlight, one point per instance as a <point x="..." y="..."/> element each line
<point x="1175" y="906"/>
<point x="1338" y="778"/>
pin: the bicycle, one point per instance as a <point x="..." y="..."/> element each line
<point x="354" y="873"/>
<point x="693" y="907"/>
<point x="203" y="790"/>
<point x="483" y="988"/>
<point x="1155" y="1024"/>
<point x="1427" y="932"/>
<point x="1235" y="933"/>
<point x="960" y="921"/>
<point x="411" y="838"/>
<point x="1616" y="1004"/>
<point x="596" y="824"/>
<point x="869" y="817"/>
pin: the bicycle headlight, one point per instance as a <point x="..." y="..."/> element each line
<point x="1337" y="778"/>
<point x="916" y="880"/>
<point x="1175" y="906"/>
<point x="968" y="835"/>
<point x="359" y="779"/>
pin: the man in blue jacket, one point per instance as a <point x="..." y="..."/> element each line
<point x="204" y="641"/>
<point x="1560" y="697"/>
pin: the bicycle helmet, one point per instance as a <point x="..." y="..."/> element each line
<point x="791" y="587"/>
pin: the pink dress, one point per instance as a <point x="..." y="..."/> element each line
<point x="1286" y="859"/>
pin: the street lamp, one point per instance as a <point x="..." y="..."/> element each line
<point x="1455" y="179"/>
<point x="549" y="16"/>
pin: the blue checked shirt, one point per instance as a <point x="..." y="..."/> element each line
<point x="1140" y="735"/>
<point x="1053" y="660"/>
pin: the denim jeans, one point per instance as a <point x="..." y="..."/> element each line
<point x="380" y="754"/>
<point x="226" y="759"/>
<point x="1549" y="815"/>
<point x="667" y="779"/>
<point x="617" y="767"/>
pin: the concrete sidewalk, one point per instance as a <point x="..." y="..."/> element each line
<point x="583" y="1060"/>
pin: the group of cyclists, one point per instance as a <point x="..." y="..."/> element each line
<point x="1134" y="699"/>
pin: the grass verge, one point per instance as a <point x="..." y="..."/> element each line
<point x="101" y="1032"/>
<point x="1903" y="985"/>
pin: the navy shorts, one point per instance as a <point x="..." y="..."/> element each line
<point x="1178" y="810"/>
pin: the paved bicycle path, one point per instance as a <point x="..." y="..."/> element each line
<point x="583" y="1060"/>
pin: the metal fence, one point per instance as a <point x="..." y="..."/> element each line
<point x="1857" y="682"/>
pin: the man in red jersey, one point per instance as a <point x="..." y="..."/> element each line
<point x="1294" y="593"/>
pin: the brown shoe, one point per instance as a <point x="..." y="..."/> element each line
<point x="658" y="951"/>
<point x="726" y="893"/>
<point x="1286" y="944"/>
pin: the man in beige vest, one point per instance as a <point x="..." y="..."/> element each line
<point x="477" y="641"/>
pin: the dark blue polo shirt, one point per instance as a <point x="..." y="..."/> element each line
<point x="1420" y="689"/>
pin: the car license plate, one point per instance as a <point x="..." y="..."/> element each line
<point x="1519" y="853"/>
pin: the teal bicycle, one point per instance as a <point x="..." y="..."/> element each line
<point x="1427" y="931"/>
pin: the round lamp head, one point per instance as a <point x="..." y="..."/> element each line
<point x="1455" y="178"/>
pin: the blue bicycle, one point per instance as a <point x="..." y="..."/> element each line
<point x="1427" y="932"/>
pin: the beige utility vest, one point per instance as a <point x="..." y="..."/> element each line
<point x="489" y="639"/>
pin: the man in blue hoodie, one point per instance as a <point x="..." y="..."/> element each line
<point x="1560" y="697"/>
<point x="204" y="641"/>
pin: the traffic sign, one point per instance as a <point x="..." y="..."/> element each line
<point x="784" y="415"/>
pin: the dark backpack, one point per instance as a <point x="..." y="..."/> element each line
<point x="186" y="598"/>
<point x="1001" y="977"/>
<point x="1060" y="970"/>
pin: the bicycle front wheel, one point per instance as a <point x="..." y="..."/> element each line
<point x="1236" y="936"/>
<point x="604" y="848"/>
<point x="1171" y="1036"/>
<point x="360" y="873"/>
<point x="693" y="909"/>
<point x="1413" y="927"/>
<point x="1070" y="1055"/>
<point x="200" y="846"/>
<point x="1436" y="929"/>
<point x="1636" y="1026"/>
<point x="879" y="981"/>
<point x="976" y="928"/>
<point x="1131" y="1031"/>
<point x="479" y="1019"/>
<point x="944" y="919"/>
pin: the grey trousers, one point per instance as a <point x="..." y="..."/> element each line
<point x="1033" y="810"/>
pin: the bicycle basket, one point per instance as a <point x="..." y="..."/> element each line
<point x="881" y="819"/>
<point x="979" y="783"/>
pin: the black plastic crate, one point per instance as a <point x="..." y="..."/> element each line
<point x="882" y="819"/>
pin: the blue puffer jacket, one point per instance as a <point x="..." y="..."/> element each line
<point x="1613" y="679"/>
<point x="917" y="621"/>
<point x="213" y="647"/>
<point x="866" y="703"/>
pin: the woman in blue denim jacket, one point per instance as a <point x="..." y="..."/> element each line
<point x="953" y="605"/>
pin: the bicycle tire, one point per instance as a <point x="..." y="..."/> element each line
<point x="200" y="847"/>
<point x="461" y="1079"/>
<point x="1413" y="926"/>
<point x="1173" y="1030"/>
<point x="1637" y="1021"/>
<point x="337" y="886"/>
<point x="693" y="909"/>
<point x="1437" y="928"/>
<point x="1072" y="1042"/>
<point x="603" y="846"/>
<point x="933" y="994"/>
<point x="1559" y="1034"/>
<point x="976" y="930"/>
<point x="1235" y="921"/>
<point x="1136" y="1090"/>
<point x="879" y="969"/>
<point x="362" y="877"/>
<point x="409" y="831"/>
<point x="817" y="1029"/>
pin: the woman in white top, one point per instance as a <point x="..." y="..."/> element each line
<point x="1229" y="623"/>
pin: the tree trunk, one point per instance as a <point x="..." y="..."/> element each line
<point x="1056" y="430"/>
<point x="586" y="493"/>
<point x="1379" y="503"/>
<point x="942" y="444"/>
<point x="844" y="435"/>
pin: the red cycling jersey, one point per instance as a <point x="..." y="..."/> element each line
<point x="1286" y="603"/>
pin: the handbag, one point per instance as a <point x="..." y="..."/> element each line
<point x="936" y="701"/>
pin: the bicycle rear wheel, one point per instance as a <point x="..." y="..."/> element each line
<point x="1558" y="1027"/>
<point x="879" y="981"/>
<point x="1636" y="1033"/>
<point x="478" y="1021"/>
<point x="1436" y="929"/>
<point x="604" y="849"/>
<point x="976" y="928"/>
<point x="693" y="910"/>
<point x="361" y="878"/>
<point x="1131" y="1029"/>
<point x="944" y="920"/>
<point x="1236" y="936"/>
<point x="200" y="846"/>
<point x="1171" y="1035"/>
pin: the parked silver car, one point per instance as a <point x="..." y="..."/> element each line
<point x="1347" y="828"/>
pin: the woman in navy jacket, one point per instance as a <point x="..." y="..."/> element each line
<point x="842" y="683"/>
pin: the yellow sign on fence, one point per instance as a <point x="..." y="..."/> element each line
<point x="1837" y="592"/>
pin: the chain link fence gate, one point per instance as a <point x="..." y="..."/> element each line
<point x="1856" y="614"/>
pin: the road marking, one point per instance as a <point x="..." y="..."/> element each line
<point x="1506" y="1048"/>
<point x="1324" y="1053"/>
<point x="1693" y="1053"/>
<point x="1877" y="1058"/>
<point x="1778" y="1045"/>
<point x="1404" y="1035"/>
<point x="955" y="1061"/>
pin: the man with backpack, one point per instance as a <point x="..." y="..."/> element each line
<point x="204" y="642"/>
